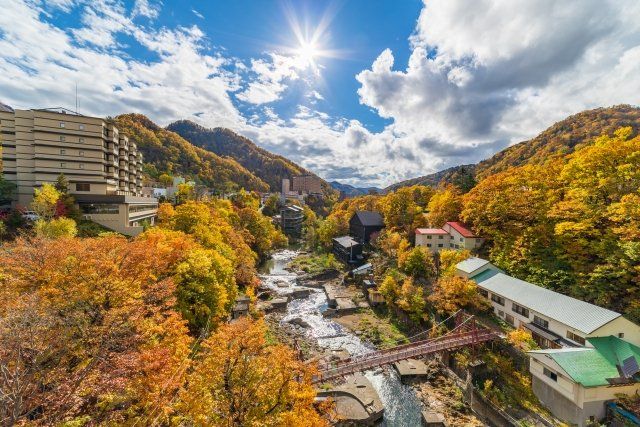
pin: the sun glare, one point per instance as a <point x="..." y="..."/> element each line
<point x="308" y="51"/>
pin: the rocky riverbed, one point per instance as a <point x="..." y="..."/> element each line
<point x="303" y="326"/>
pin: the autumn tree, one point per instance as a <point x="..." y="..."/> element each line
<point x="449" y="258"/>
<point x="418" y="263"/>
<point x="55" y="228"/>
<point x="411" y="299"/>
<point x="445" y="205"/>
<point x="241" y="380"/>
<point x="389" y="289"/>
<point x="44" y="201"/>
<point x="106" y="329"/>
<point x="453" y="293"/>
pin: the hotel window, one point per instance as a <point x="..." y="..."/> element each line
<point x="83" y="186"/>
<point x="450" y="245"/>
<point x="81" y="153"/>
<point x="510" y="320"/>
<point x="550" y="374"/>
<point x="429" y="237"/>
<point x="520" y="310"/>
<point x="63" y="151"/>
<point x="541" y="322"/>
<point x="440" y="245"/>
<point x="497" y="299"/>
<point x="81" y="165"/>
<point x="61" y="124"/>
<point x="62" y="138"/>
<point x="81" y="127"/>
<point x="483" y="292"/>
<point x="440" y="237"/>
<point x="575" y="337"/>
<point x="81" y="140"/>
<point x="428" y="245"/>
<point x="621" y="335"/>
<point x="461" y="239"/>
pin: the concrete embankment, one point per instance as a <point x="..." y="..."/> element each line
<point x="356" y="401"/>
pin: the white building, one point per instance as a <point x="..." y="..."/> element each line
<point x="453" y="235"/>
<point x="576" y="383"/>
<point x="554" y="320"/>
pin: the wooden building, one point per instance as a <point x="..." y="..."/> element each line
<point x="363" y="224"/>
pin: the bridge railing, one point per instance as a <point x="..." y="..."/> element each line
<point x="407" y="351"/>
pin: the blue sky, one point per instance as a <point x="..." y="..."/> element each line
<point x="364" y="92"/>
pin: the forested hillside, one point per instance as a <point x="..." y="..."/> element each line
<point x="560" y="139"/>
<point x="167" y="152"/>
<point x="570" y="223"/>
<point x="269" y="167"/>
<point x="462" y="176"/>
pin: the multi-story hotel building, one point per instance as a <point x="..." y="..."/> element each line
<point x="103" y="167"/>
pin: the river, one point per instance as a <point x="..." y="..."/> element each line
<point x="401" y="405"/>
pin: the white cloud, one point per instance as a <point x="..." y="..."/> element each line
<point x="270" y="77"/>
<point x="480" y="75"/>
<point x="493" y="72"/>
<point x="198" y="14"/>
<point x="147" y="9"/>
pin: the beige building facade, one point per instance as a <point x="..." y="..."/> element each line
<point x="103" y="167"/>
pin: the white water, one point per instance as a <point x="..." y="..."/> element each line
<point x="402" y="408"/>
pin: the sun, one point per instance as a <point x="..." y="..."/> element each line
<point x="308" y="51"/>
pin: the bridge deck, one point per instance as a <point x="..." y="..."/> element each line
<point x="406" y="351"/>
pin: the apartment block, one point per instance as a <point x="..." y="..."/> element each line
<point x="103" y="167"/>
<point x="308" y="184"/>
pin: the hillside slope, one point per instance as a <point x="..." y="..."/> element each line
<point x="269" y="167"/>
<point x="558" y="140"/>
<point x="167" y="152"/>
<point x="462" y="176"/>
<point x="562" y="138"/>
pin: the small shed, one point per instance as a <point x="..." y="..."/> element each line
<point x="347" y="250"/>
<point x="375" y="297"/>
<point x="241" y="307"/>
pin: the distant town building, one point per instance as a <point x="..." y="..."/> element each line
<point x="365" y="223"/>
<point x="576" y="383"/>
<point x="306" y="184"/>
<point x="103" y="167"/>
<point x="291" y="219"/>
<point x="554" y="320"/>
<point x="347" y="250"/>
<point x="453" y="235"/>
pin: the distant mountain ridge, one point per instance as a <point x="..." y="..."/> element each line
<point x="558" y="140"/>
<point x="269" y="167"/>
<point x="351" y="191"/>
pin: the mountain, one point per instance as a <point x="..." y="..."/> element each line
<point x="560" y="139"/>
<point x="462" y="176"/>
<point x="351" y="191"/>
<point x="269" y="167"/>
<point x="167" y="152"/>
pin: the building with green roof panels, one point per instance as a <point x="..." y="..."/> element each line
<point x="576" y="383"/>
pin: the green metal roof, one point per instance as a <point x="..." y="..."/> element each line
<point x="484" y="275"/>
<point x="592" y="367"/>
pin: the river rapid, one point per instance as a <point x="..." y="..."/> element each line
<point x="401" y="405"/>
